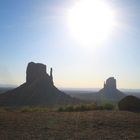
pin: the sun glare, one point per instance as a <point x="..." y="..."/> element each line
<point x="90" y="21"/>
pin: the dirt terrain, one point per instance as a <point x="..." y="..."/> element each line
<point x="92" y="125"/>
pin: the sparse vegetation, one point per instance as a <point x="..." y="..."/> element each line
<point x="108" y="106"/>
<point x="86" y="107"/>
<point x="68" y="108"/>
<point x="5" y="109"/>
<point x="73" y="108"/>
<point x="34" y="109"/>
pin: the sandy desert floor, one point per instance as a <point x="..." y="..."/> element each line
<point x="91" y="125"/>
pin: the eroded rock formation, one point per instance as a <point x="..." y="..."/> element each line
<point x="35" y="71"/>
<point x="110" y="90"/>
<point x="110" y="83"/>
<point x="38" y="90"/>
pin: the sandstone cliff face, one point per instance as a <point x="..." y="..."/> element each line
<point x="38" y="90"/>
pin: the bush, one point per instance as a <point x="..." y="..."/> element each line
<point x="100" y="107"/>
<point x="108" y="106"/>
<point x="82" y="107"/>
<point x="6" y="109"/>
<point x="60" y="109"/>
<point x="93" y="107"/>
<point x="129" y="103"/>
<point x="3" y="110"/>
<point x="69" y="108"/>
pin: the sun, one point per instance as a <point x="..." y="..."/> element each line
<point x="90" y="21"/>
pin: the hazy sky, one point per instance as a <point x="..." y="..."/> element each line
<point x="37" y="30"/>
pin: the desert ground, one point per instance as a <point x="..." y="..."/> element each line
<point x="52" y="125"/>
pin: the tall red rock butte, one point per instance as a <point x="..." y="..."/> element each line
<point x="37" y="71"/>
<point x="38" y="90"/>
<point x="110" y="91"/>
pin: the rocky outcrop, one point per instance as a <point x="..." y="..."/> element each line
<point x="38" y="90"/>
<point x="129" y="103"/>
<point x="110" y="91"/>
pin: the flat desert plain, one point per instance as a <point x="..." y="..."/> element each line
<point x="90" y="125"/>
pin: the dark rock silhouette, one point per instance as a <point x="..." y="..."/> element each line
<point x="51" y="75"/>
<point x="110" y="90"/>
<point x="38" y="90"/>
<point x="110" y="84"/>
<point x="129" y="103"/>
<point x="35" y="72"/>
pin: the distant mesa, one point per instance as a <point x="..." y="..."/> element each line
<point x="110" y="90"/>
<point x="110" y="84"/>
<point x="38" y="90"/>
<point x="129" y="103"/>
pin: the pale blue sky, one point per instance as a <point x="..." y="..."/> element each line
<point x="36" y="30"/>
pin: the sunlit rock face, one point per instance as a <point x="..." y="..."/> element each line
<point x="110" y="91"/>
